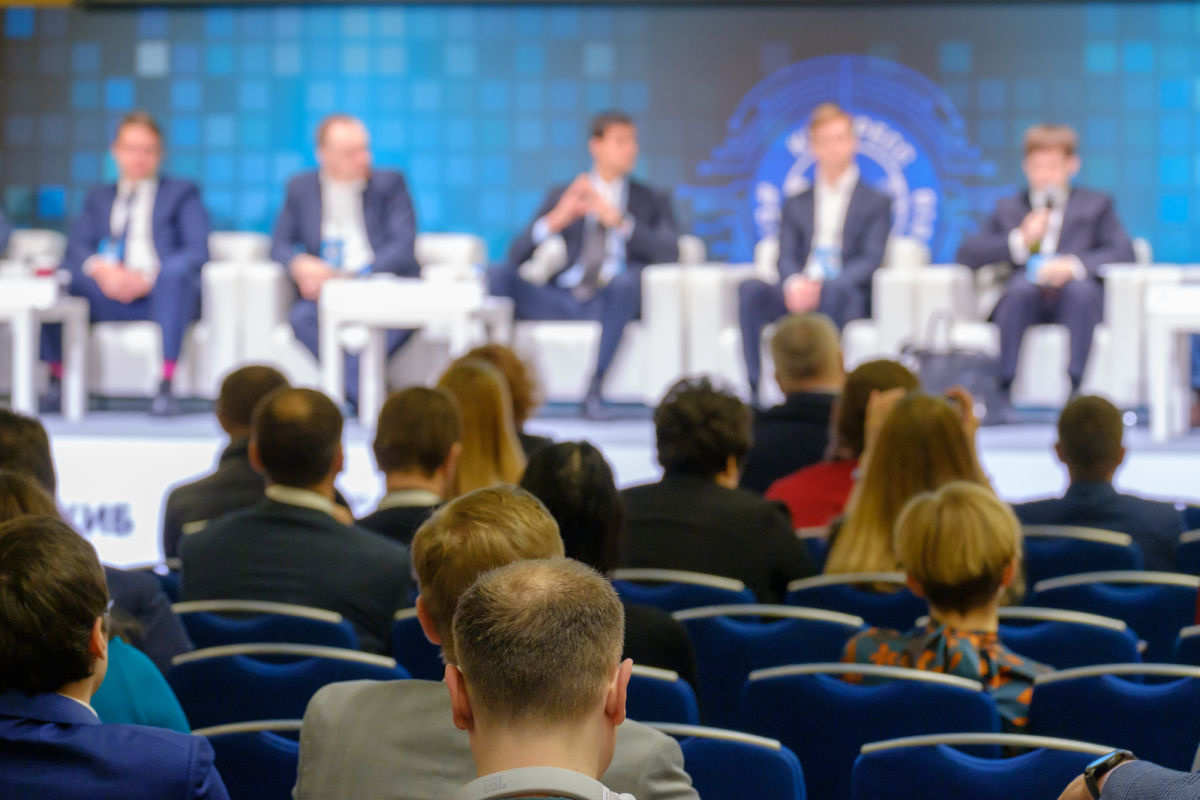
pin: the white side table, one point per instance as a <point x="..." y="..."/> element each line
<point x="387" y="303"/>
<point x="25" y="303"/>
<point x="1172" y="314"/>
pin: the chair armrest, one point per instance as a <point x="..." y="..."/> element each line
<point x="273" y="293"/>
<point x="942" y="289"/>
<point x="692" y="250"/>
<point x="711" y="297"/>
<point x="663" y="311"/>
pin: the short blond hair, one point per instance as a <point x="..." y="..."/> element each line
<point x="480" y="531"/>
<point x="806" y="346"/>
<point x="828" y="112"/>
<point x="1051" y="137"/>
<point x="539" y="641"/>
<point x="957" y="543"/>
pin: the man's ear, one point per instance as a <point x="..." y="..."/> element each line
<point x="1058" y="451"/>
<point x="913" y="586"/>
<point x="339" y="460"/>
<point x="460" y="702"/>
<point x="618" y="688"/>
<point x="1010" y="574"/>
<point x="450" y="465"/>
<point x="255" y="458"/>
<point x="98" y="641"/>
<point x="427" y="625"/>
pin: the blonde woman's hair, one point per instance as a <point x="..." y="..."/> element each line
<point x="921" y="447"/>
<point x="491" y="452"/>
<point x="957" y="543"/>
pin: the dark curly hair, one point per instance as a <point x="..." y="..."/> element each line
<point x="699" y="426"/>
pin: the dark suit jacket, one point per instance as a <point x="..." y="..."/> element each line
<point x="387" y="212"/>
<point x="864" y="234"/>
<point x="289" y="554"/>
<point x="654" y="240"/>
<point x="788" y="437"/>
<point x="234" y="485"/>
<point x="1090" y="231"/>
<point x="160" y="634"/>
<point x="690" y="523"/>
<point x="53" y="747"/>
<point x="179" y="224"/>
<point x="399" y="523"/>
<point x="1154" y="526"/>
<point x="6" y="230"/>
<point x="653" y="638"/>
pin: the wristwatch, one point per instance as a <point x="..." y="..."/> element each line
<point x="1096" y="770"/>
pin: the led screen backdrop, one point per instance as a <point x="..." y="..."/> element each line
<point x="484" y="107"/>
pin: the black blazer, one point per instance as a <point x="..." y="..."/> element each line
<point x="654" y="240"/>
<point x="690" y="523"/>
<point x="288" y="554"/>
<point x="399" y="523"/>
<point x="654" y="638"/>
<point x="160" y="634"/>
<point x="864" y="234"/>
<point x="234" y="485"/>
<point x="788" y="437"/>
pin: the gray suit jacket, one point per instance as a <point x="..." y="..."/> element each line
<point x="1141" y="780"/>
<point x="396" y="740"/>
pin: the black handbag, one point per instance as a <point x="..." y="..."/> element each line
<point x="942" y="367"/>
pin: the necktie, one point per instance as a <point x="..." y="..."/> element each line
<point x="124" y="204"/>
<point x="591" y="257"/>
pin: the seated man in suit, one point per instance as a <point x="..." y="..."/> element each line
<point x="1055" y="237"/>
<point x="297" y="546"/>
<point x="235" y="484"/>
<point x="344" y="220"/>
<point x="396" y="739"/>
<point x="135" y="253"/>
<point x="539" y="684"/>
<point x="809" y="371"/>
<point x="25" y="448"/>
<point x="695" y="518"/>
<point x="1089" y="443"/>
<point x="53" y="657"/>
<point x="612" y="226"/>
<point x="6" y="230"/>
<point x="832" y="238"/>
<point x="417" y="442"/>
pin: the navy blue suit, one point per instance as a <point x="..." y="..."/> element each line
<point x="1092" y="232"/>
<point x="391" y="230"/>
<point x="844" y="298"/>
<point x="6" y="230"/>
<point x="53" y="747"/>
<point x="180" y="229"/>
<point x="160" y="634"/>
<point x="654" y="240"/>
<point x="1154" y="526"/>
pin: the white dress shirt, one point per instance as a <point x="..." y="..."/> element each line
<point x="616" y="194"/>
<point x="830" y="203"/>
<point x="408" y="498"/>
<point x="134" y="216"/>
<point x="342" y="218"/>
<point x="1054" y="198"/>
<point x="304" y="498"/>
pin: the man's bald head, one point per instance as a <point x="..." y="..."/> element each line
<point x="297" y="434"/>
<point x="344" y="148"/>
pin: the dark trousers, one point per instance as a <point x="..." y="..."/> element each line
<point x="614" y="306"/>
<point x="761" y="303"/>
<point x="173" y="303"/>
<point x="1079" y="305"/>
<point x="303" y="317"/>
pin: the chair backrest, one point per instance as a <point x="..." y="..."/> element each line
<point x="450" y="250"/>
<point x="1055" y="550"/>
<point x="816" y="539"/>
<point x="732" y="641"/>
<point x="1066" y="639"/>
<point x="905" y="253"/>
<point x="254" y="759"/>
<point x="208" y="624"/>
<point x="888" y="770"/>
<point x="36" y="244"/>
<point x="891" y="609"/>
<point x="1187" y="646"/>
<point x="240" y="246"/>
<point x="673" y="590"/>
<point x="731" y="765"/>
<point x="660" y="695"/>
<point x="1156" y="605"/>
<point x="247" y="682"/>
<point x="1187" y="554"/>
<point x="1109" y="704"/>
<point x="421" y="657"/>
<point x="825" y="720"/>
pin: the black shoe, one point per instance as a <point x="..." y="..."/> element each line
<point x="593" y="407"/>
<point x="164" y="404"/>
<point x="51" y="401"/>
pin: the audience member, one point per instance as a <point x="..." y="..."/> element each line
<point x="1124" y="777"/>
<point x="135" y="253"/>
<point x="292" y="547"/>
<point x="809" y="371"/>
<point x="393" y="740"/>
<point x="695" y="518"/>
<point x="54" y="653"/>
<point x="235" y="484"/>
<point x="25" y="448"/>
<point x="1089" y="443"/>
<point x="815" y="495"/>
<point x="539" y="684"/>
<point x="491" y="452"/>
<point x="961" y="548"/>
<point x="523" y="390"/>
<point x="417" y="443"/>
<point x="919" y="445"/>
<point x="575" y="483"/>
<point x="6" y="230"/>
<point x="344" y="220"/>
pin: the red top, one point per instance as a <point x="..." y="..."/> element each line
<point x="816" y="494"/>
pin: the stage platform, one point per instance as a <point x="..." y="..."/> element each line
<point x="115" y="467"/>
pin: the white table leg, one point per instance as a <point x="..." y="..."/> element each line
<point x="372" y="368"/>
<point x="1180" y="376"/>
<point x="24" y="328"/>
<point x="75" y="341"/>
<point x="1158" y="366"/>
<point x="332" y="366"/>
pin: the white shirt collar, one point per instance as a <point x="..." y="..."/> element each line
<point x="526" y="781"/>
<point x="845" y="182"/>
<point x="407" y="498"/>
<point x="303" y="498"/>
<point x="85" y="705"/>
<point x="125" y="185"/>
<point x="357" y="185"/>
<point x="1058" y="194"/>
